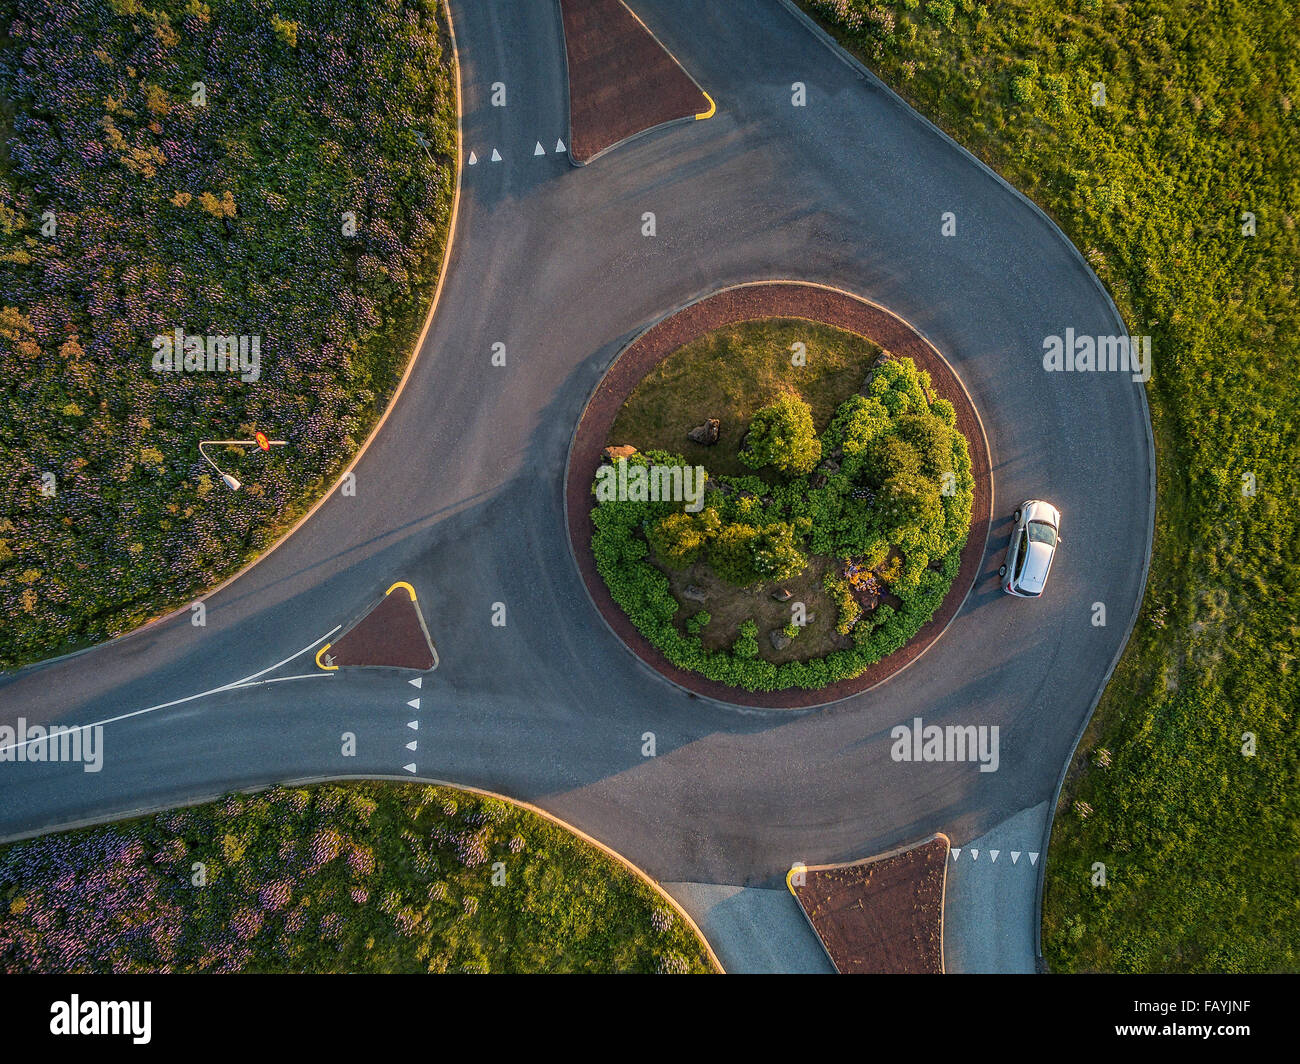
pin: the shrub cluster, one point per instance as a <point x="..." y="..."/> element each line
<point x="897" y="476"/>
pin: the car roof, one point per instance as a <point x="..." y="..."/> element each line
<point x="1038" y="560"/>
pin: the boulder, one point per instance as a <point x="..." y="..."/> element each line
<point x="778" y="639"/>
<point x="613" y="454"/>
<point x="706" y="434"/>
<point x="695" y="593"/>
<point x="782" y="594"/>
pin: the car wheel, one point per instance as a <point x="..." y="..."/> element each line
<point x="1016" y="516"/>
<point x="1002" y="571"/>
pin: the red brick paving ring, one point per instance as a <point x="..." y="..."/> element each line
<point x="391" y="635"/>
<point x="770" y="299"/>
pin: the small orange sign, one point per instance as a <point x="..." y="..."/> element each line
<point x="262" y="441"/>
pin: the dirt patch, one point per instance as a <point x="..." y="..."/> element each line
<point x="392" y="635"/>
<point x="881" y="916"/>
<point x="622" y="81"/>
<point x="780" y="299"/>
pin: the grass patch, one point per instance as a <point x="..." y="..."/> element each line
<point x="1199" y="130"/>
<point x="357" y="877"/>
<point x="731" y="372"/>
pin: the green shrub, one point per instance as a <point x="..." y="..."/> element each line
<point x="781" y="435"/>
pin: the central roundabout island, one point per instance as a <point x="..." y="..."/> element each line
<point x="779" y="495"/>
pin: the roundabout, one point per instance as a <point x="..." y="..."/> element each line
<point x="845" y="670"/>
<point x="476" y="486"/>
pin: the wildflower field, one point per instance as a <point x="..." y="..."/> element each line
<point x="365" y="877"/>
<point x="230" y="167"/>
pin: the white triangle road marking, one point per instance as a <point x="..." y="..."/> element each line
<point x="496" y="156"/>
<point x="472" y="158"/>
<point x="410" y="768"/>
<point x="559" y="146"/>
<point x="974" y="855"/>
<point x="414" y="725"/>
<point x="1033" y="858"/>
<point x="417" y="682"/>
<point x="1015" y="856"/>
<point x="414" y="703"/>
<point x="956" y="852"/>
<point x="411" y="745"/>
<point x="539" y="150"/>
<point x="993" y="855"/>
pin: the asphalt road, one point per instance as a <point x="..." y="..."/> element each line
<point x="461" y="494"/>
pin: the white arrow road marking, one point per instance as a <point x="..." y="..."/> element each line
<point x="975" y="855"/>
<point x="993" y="855"/>
<point x="247" y="681"/>
<point x="559" y="146"/>
<point x="472" y="158"/>
<point x="956" y="852"/>
<point x="1033" y="858"/>
<point x="414" y="703"/>
<point x="1015" y="856"/>
<point x="411" y="745"/>
<point x="414" y="725"/>
<point x="417" y="682"/>
<point x="496" y="156"/>
<point x="410" y="768"/>
<point x="539" y="150"/>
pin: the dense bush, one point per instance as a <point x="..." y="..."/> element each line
<point x="754" y="532"/>
<point x="128" y="209"/>
<point x="1181" y="192"/>
<point x="369" y="877"/>
<point x="781" y="435"/>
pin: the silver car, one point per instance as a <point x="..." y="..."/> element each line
<point x="1033" y="546"/>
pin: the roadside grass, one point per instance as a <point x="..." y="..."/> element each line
<point x="351" y="877"/>
<point x="1198" y="838"/>
<point x="729" y="374"/>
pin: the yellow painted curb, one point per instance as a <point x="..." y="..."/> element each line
<point x="713" y="107"/>
<point x="401" y="583"/>
<point x="326" y="668"/>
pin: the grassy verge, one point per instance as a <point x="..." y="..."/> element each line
<point x="364" y="877"/>
<point x="225" y="171"/>
<point x="1180" y="190"/>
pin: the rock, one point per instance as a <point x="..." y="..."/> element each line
<point x="706" y="434"/>
<point x="829" y="466"/>
<point x="613" y="454"/>
<point x="778" y="639"/>
<point x="819" y="481"/>
<point x="782" y="594"/>
<point x="695" y="593"/>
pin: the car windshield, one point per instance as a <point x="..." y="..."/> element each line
<point x="1040" y="532"/>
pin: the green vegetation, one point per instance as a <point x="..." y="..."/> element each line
<point x="876" y="500"/>
<point x="1196" y="142"/>
<point x="365" y="877"/>
<point x="283" y="174"/>
<point x="732" y="372"/>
